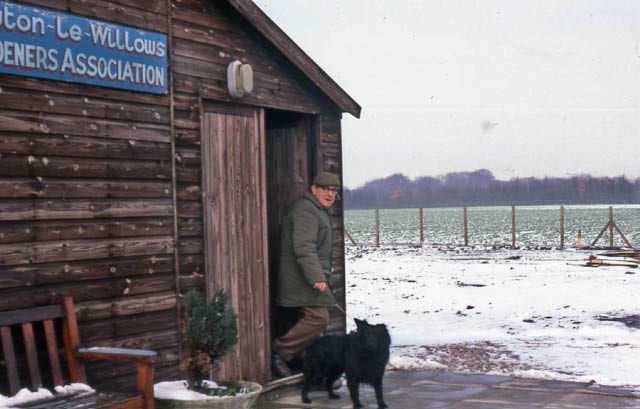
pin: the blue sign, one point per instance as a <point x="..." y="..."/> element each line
<point x="42" y="43"/>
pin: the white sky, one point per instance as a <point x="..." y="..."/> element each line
<point x="522" y="88"/>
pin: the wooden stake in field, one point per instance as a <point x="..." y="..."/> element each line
<point x="561" y="227"/>
<point x="377" y="227"/>
<point x="579" y="239"/>
<point x="610" y="226"/>
<point x="350" y="238"/>
<point x="513" y="226"/>
<point x="421" y="229"/>
<point x="466" y="229"/>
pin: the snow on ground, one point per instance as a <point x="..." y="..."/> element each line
<point x="529" y="313"/>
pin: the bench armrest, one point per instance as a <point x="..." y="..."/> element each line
<point x="118" y="354"/>
<point x="143" y="359"/>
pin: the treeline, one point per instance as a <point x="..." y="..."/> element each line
<point x="480" y="187"/>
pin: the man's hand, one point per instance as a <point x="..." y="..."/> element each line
<point x="320" y="286"/>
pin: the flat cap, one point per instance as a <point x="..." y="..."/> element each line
<point x="326" y="179"/>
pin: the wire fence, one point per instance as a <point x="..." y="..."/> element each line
<point x="515" y="226"/>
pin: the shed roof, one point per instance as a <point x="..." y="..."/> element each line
<point x="296" y="55"/>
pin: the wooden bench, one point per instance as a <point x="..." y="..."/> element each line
<point x="64" y="312"/>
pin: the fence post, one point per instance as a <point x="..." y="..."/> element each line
<point x="466" y="229"/>
<point x="513" y="226"/>
<point x="421" y="229"/>
<point x="377" y="228"/>
<point x="579" y="239"/>
<point x="611" y="226"/>
<point x="561" y="227"/>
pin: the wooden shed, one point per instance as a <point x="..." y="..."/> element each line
<point x="129" y="174"/>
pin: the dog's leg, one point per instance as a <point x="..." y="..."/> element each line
<point x="305" y="392"/>
<point x="306" y="385"/>
<point x="354" y="392"/>
<point x="328" y="383"/>
<point x="378" y="388"/>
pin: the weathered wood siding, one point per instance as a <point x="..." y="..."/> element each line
<point x="207" y="36"/>
<point x="86" y="187"/>
<point x="86" y="201"/>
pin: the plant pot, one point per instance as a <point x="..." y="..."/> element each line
<point x="228" y="402"/>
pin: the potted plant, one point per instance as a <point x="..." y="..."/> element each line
<point x="212" y="331"/>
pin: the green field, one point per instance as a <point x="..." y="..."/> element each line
<point x="535" y="225"/>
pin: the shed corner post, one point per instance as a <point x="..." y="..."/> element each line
<point x="174" y="198"/>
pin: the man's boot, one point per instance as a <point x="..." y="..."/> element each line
<point x="279" y="366"/>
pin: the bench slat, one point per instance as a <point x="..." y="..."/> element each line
<point x="52" y="348"/>
<point x="10" y="360"/>
<point x="47" y="312"/>
<point x="82" y="401"/>
<point x="32" y="355"/>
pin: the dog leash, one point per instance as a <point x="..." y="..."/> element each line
<point x="335" y="301"/>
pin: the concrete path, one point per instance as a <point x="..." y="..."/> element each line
<point x="433" y="389"/>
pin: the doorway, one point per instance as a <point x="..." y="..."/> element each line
<point x="290" y="161"/>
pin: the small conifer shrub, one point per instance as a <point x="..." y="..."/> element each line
<point x="212" y="330"/>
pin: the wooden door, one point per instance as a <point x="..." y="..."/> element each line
<point x="235" y="232"/>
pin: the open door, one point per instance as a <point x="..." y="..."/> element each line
<point x="235" y="231"/>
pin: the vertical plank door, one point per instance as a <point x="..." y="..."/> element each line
<point x="235" y="234"/>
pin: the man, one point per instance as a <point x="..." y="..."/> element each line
<point x="305" y="268"/>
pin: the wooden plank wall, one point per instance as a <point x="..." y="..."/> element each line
<point x="86" y="201"/>
<point x="207" y="36"/>
<point x="86" y="198"/>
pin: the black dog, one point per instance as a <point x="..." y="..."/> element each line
<point x="362" y="355"/>
<point x="366" y="357"/>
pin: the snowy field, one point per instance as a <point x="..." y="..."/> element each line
<point x="528" y="313"/>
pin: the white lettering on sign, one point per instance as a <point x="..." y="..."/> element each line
<point x="49" y="44"/>
<point x="22" y="23"/>
<point x="105" y="36"/>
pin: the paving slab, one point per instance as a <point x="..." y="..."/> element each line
<point x="447" y="390"/>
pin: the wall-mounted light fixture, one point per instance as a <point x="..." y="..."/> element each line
<point x="239" y="78"/>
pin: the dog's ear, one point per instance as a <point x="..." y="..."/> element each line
<point x="359" y="323"/>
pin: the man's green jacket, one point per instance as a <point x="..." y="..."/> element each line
<point x="305" y="255"/>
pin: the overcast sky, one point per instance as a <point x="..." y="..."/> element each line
<point x="522" y="88"/>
